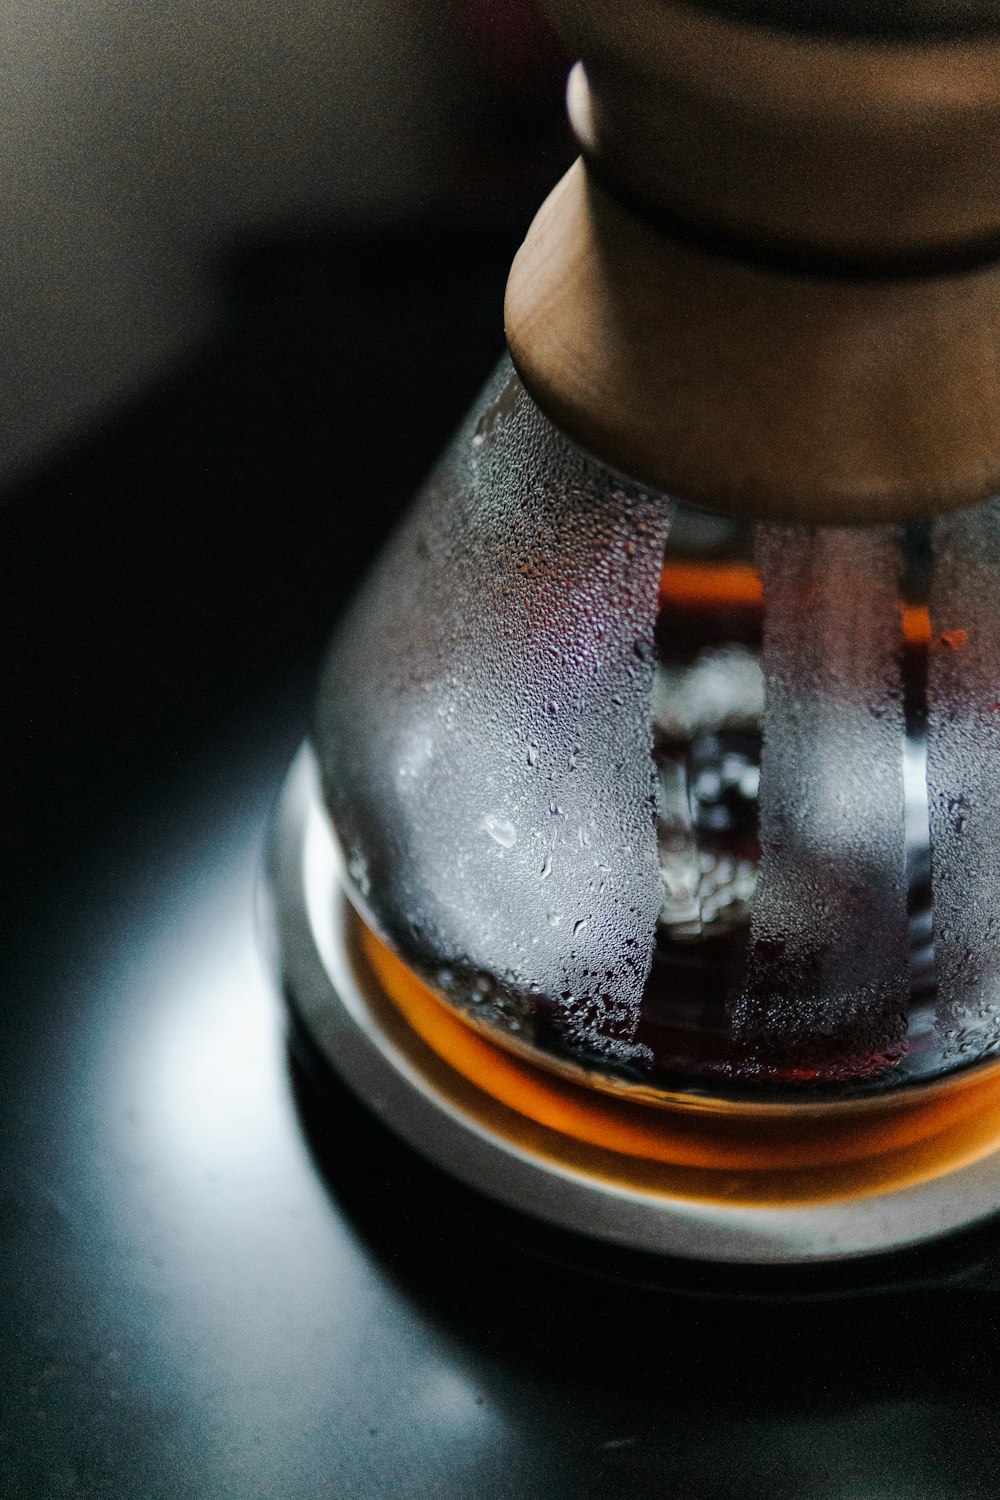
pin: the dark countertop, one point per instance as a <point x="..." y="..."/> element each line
<point x="218" y="1277"/>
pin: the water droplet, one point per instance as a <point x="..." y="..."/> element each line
<point x="553" y="918"/>
<point x="579" y="925"/>
<point x="546" y="869"/>
<point x="532" y="754"/>
<point x="501" y="830"/>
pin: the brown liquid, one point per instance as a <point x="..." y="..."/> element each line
<point x="715" y="610"/>
<point x="707" y="746"/>
<point x="710" y="613"/>
<point x="733" y="1151"/>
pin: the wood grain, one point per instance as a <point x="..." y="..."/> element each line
<point x="774" y="288"/>
<point x="752" y="391"/>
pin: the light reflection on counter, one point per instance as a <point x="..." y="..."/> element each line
<point x="251" y="1282"/>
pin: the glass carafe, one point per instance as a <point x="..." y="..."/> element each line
<point x="661" y="748"/>
<point x="669" y="800"/>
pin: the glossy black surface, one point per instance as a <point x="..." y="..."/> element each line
<point x="218" y="1278"/>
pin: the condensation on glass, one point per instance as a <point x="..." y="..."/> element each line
<point x="688" y="802"/>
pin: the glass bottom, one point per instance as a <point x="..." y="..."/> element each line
<point x="806" y="1150"/>
<point x="899" y="1179"/>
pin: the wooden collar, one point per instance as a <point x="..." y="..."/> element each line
<point x="774" y="288"/>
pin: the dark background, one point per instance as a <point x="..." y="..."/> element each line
<point x="217" y="1277"/>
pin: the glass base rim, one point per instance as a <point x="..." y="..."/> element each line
<point x="308" y="921"/>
